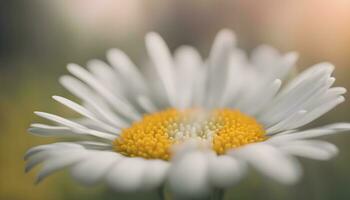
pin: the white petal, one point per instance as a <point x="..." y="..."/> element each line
<point x="106" y="75"/>
<point x="289" y="60"/>
<point x="325" y="67"/>
<point x="92" y="169"/>
<point x="163" y="62"/>
<point x="62" y="160"/>
<point x="237" y="77"/>
<point x="224" y="171"/>
<point x="147" y="104"/>
<point x="263" y="55"/>
<point x="293" y="100"/>
<point x="271" y="162"/>
<point x="286" y="122"/>
<point x="67" y="145"/>
<point x="341" y="126"/>
<point x="122" y="63"/>
<point x="38" y="154"/>
<point x="77" y="128"/>
<point x="313" y="149"/>
<point x="36" y="159"/>
<point x="80" y="90"/>
<point x="61" y="120"/>
<point x="155" y="173"/>
<point x="311" y="133"/>
<point x="188" y="175"/>
<point x="126" y="175"/>
<point x="317" y="112"/>
<point x="57" y="131"/>
<point x="188" y="63"/>
<point x="218" y="66"/>
<point x="265" y="96"/>
<point x="95" y="145"/>
<point x="47" y="130"/>
<point x="271" y="64"/>
<point x="200" y="89"/>
<point x="332" y="93"/>
<point x="84" y="112"/>
<point x="119" y="104"/>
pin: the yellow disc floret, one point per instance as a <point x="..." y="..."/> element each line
<point x="237" y="129"/>
<point x="149" y="137"/>
<point x="153" y="136"/>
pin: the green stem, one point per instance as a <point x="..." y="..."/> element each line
<point x="161" y="193"/>
<point x="218" y="194"/>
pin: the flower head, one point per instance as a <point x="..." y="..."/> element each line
<point x="189" y="123"/>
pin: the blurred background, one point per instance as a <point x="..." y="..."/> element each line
<point x="38" y="38"/>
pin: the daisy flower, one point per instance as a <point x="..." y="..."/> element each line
<point x="189" y="124"/>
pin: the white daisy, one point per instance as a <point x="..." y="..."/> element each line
<point x="189" y="124"/>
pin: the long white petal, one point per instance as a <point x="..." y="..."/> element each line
<point x="78" y="128"/>
<point x="34" y="150"/>
<point x="265" y="96"/>
<point x="61" y="120"/>
<point x="94" y="167"/>
<point x="84" y="112"/>
<point x="224" y="171"/>
<point x="287" y="102"/>
<point x="146" y="104"/>
<point x="311" y="133"/>
<point x="218" y="66"/>
<point x="122" y="63"/>
<point x="317" y="112"/>
<point x="60" y="161"/>
<point x="282" y="124"/>
<point x="107" y="76"/>
<point x="119" y="104"/>
<point x="188" y="63"/>
<point x="36" y="159"/>
<point x="156" y="172"/>
<point x="271" y="162"/>
<point x="47" y="130"/>
<point x="80" y="90"/>
<point x="313" y="149"/>
<point x="188" y="175"/>
<point x="95" y="145"/>
<point x="126" y="175"/>
<point x="163" y="62"/>
<point x="306" y="74"/>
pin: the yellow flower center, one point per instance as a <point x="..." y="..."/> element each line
<point x="153" y="136"/>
